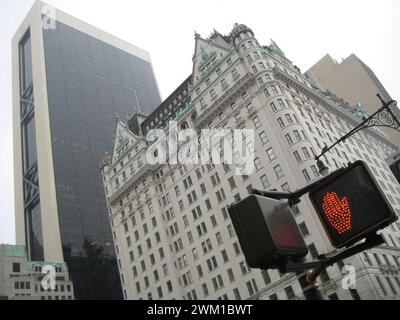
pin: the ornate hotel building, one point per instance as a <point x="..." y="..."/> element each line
<point x="172" y="232"/>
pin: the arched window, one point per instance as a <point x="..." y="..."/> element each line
<point x="184" y="125"/>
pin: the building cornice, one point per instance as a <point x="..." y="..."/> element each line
<point x="281" y="75"/>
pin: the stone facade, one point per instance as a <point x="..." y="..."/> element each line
<point x="172" y="233"/>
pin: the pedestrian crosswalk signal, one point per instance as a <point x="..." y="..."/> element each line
<point x="267" y="232"/>
<point x="351" y="205"/>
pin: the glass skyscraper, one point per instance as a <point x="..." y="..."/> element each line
<point x="70" y="82"/>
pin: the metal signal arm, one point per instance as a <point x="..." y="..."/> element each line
<point x="384" y="117"/>
<point x="324" y="261"/>
<point x="294" y="197"/>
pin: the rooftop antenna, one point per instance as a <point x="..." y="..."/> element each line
<point x="137" y="101"/>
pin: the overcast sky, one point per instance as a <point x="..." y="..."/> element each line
<point x="304" y="29"/>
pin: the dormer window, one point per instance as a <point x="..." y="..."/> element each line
<point x="213" y="94"/>
<point x="224" y="84"/>
<point x="235" y="74"/>
<point x="184" y="126"/>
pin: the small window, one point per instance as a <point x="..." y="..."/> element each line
<point x="289" y="292"/>
<point x="278" y="171"/>
<point x="235" y="73"/>
<point x="258" y="164"/>
<point x="297" y="156"/>
<point x="264" y="181"/>
<point x="271" y="154"/>
<point x="274" y="90"/>
<point x="257" y="122"/>
<point x="273" y="107"/>
<point x="264" y="138"/>
<point x="306" y="175"/>
<point x="224" y="84"/>
<point x="232" y="182"/>
<point x="213" y="93"/>
<point x="281" y="123"/>
<point x="16" y="267"/>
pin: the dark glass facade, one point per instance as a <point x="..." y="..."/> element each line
<point x="33" y="221"/>
<point x="89" y="82"/>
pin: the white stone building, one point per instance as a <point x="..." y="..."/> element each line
<point x="173" y="235"/>
<point x="21" y="279"/>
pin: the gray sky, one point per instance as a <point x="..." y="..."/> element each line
<point x="305" y="30"/>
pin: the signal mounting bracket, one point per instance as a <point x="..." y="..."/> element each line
<point x="325" y="261"/>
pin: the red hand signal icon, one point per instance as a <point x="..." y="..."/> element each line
<point x="338" y="212"/>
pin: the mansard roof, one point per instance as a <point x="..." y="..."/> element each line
<point x="169" y="108"/>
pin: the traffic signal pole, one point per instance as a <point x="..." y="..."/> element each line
<point x="310" y="289"/>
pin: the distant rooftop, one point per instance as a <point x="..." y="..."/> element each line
<point x="13" y="250"/>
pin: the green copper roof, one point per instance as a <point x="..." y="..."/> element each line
<point x="361" y="111"/>
<point x="274" y="47"/>
<point x="14" y="251"/>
